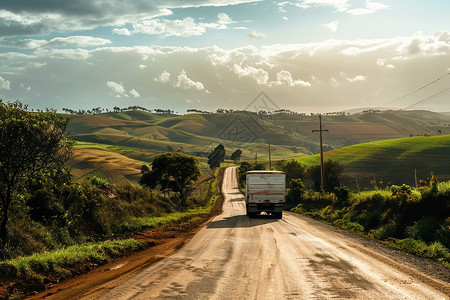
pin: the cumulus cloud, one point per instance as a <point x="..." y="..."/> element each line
<point x="58" y="42"/>
<point x="121" y="31"/>
<point x="185" y="83"/>
<point x="163" y="77"/>
<point x="344" y="6"/>
<point x="285" y="78"/>
<point x="260" y="75"/>
<point x="4" y="84"/>
<point x="322" y="74"/>
<point x="370" y="8"/>
<point x="357" y="78"/>
<point x="134" y="93"/>
<point x="45" y="16"/>
<point x="76" y="41"/>
<point x="257" y="35"/>
<point x="331" y="26"/>
<point x="118" y="90"/>
<point x="181" y="28"/>
<point x="339" y="5"/>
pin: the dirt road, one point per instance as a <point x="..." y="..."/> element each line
<point x="235" y="257"/>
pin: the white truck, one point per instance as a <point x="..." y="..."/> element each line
<point x="265" y="192"/>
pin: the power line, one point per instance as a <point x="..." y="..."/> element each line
<point x="422" y="87"/>
<point x="427" y="99"/>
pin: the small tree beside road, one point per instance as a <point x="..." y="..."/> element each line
<point x="30" y="144"/>
<point x="174" y="171"/>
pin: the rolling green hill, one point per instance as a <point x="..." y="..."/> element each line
<point x="392" y="161"/>
<point x="139" y="135"/>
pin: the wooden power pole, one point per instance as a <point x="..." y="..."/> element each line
<point x="321" y="151"/>
<point x="270" y="160"/>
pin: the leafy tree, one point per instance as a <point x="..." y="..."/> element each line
<point x="236" y="156"/>
<point x="332" y="175"/>
<point x="175" y="171"/>
<point x="216" y="156"/>
<point x="294" y="193"/>
<point x="293" y="169"/>
<point x="31" y="144"/>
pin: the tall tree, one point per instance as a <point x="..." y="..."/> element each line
<point x="175" y="171"/>
<point x="293" y="169"/>
<point x="236" y="156"/>
<point x="30" y="143"/>
<point x="216" y="156"/>
<point x="332" y="175"/>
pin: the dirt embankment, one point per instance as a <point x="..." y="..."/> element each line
<point x="94" y="280"/>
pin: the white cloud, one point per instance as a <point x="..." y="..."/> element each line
<point x="261" y="76"/>
<point x="351" y="51"/>
<point x="23" y="18"/>
<point x="163" y="77"/>
<point x="185" y="83"/>
<point x="118" y="90"/>
<point x="134" y="93"/>
<point x="59" y="42"/>
<point x="331" y="26"/>
<point x="224" y="19"/>
<point x="370" y="8"/>
<point x="285" y="78"/>
<point x="182" y="28"/>
<point x="257" y="35"/>
<point x="339" y="5"/>
<point x="77" y="41"/>
<point x="4" y="84"/>
<point x="339" y="72"/>
<point x="344" y="6"/>
<point x="357" y="78"/>
<point x="142" y="67"/>
<point x="121" y="31"/>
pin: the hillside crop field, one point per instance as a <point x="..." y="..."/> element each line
<point x="137" y="136"/>
<point x="392" y="161"/>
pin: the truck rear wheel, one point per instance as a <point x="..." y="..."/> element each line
<point x="278" y="215"/>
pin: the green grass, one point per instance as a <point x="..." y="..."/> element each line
<point x="137" y="224"/>
<point x="60" y="262"/>
<point x="435" y="251"/>
<point x="392" y="160"/>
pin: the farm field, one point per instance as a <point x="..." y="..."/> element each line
<point x="134" y="137"/>
<point x="392" y="161"/>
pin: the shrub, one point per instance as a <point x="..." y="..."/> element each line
<point x="342" y="196"/>
<point x="96" y="181"/>
<point x="386" y="231"/>
<point x="294" y="193"/>
<point x="424" y="229"/>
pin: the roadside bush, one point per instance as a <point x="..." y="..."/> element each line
<point x="385" y="231"/>
<point x="368" y="210"/>
<point x="342" y="196"/>
<point x="315" y="200"/>
<point x="347" y="225"/>
<point x="99" y="181"/>
<point x="424" y="229"/>
<point x="294" y="193"/>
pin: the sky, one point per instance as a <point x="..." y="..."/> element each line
<point x="304" y="55"/>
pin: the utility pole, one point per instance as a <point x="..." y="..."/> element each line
<point x="415" y="176"/>
<point x="270" y="160"/>
<point x="321" y="151"/>
<point x="256" y="158"/>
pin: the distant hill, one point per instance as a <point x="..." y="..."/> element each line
<point x="139" y="135"/>
<point x="392" y="161"/>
